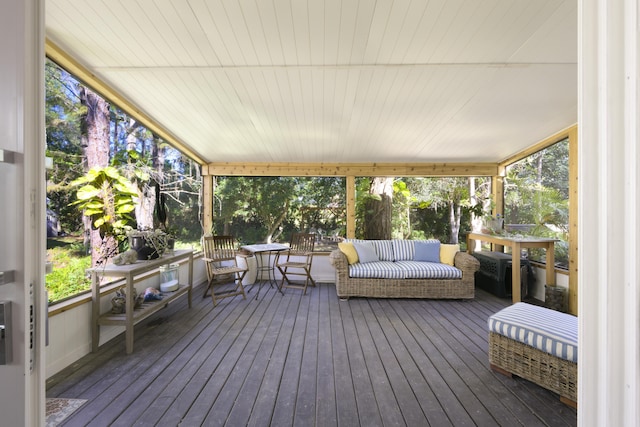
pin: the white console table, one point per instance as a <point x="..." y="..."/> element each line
<point x="131" y="316"/>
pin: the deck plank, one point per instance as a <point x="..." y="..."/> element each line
<point x="345" y="398"/>
<point x="286" y="399"/>
<point x="310" y="359"/>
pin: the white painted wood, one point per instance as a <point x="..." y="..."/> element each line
<point x="609" y="219"/>
<point x="22" y="393"/>
<point x="332" y="81"/>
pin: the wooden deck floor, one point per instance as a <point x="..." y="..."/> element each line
<point x="307" y="360"/>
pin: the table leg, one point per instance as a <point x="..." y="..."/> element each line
<point x="95" y="311"/>
<point x="470" y="245"/>
<point x="190" y="278"/>
<point x="550" y="267"/>
<point x="259" y="269"/>
<point x="130" y="303"/>
<point x="515" y="273"/>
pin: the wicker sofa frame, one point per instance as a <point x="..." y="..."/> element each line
<point x="463" y="288"/>
<point x="511" y="357"/>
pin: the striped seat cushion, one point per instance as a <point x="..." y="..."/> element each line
<point x="377" y="270"/>
<point x="404" y="270"/>
<point x="547" y="330"/>
<point x="429" y="270"/>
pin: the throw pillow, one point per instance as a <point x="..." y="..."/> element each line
<point x="427" y="251"/>
<point x="349" y="251"/>
<point x="448" y="253"/>
<point x="366" y="253"/>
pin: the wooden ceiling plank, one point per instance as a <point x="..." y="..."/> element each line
<point x="134" y="25"/>
<point x="316" y="23"/>
<point x="365" y="12"/>
<point x="408" y="38"/>
<point x="258" y="36"/>
<point x="227" y="29"/>
<point x="194" y="40"/>
<point x="300" y="18"/>
<point x="396" y="14"/>
<point x="286" y="33"/>
<point x="272" y="32"/>
<point x="156" y="21"/>
<point x="348" y="21"/>
<point x="332" y="27"/>
<point x="377" y="33"/>
<point x="219" y="54"/>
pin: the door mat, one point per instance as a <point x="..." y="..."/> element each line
<point x="59" y="408"/>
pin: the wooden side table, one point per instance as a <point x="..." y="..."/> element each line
<point x="516" y="244"/>
<point x="131" y="316"/>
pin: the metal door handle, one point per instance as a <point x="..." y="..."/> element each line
<point x="7" y="277"/>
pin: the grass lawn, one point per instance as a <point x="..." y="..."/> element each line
<point x="68" y="277"/>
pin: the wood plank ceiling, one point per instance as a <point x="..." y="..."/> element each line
<point x="334" y="81"/>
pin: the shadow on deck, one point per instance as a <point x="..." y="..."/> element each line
<point x="307" y="360"/>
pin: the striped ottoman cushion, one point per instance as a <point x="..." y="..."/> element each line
<point x="547" y="330"/>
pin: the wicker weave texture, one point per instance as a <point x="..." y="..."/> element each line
<point x="544" y="369"/>
<point x="406" y="288"/>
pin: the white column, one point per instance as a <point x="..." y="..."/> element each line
<point x="609" y="213"/>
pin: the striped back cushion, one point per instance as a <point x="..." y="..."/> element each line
<point x="547" y="330"/>
<point x="404" y="250"/>
<point x="382" y="247"/>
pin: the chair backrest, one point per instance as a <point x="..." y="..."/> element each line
<point x="302" y="243"/>
<point x="219" y="248"/>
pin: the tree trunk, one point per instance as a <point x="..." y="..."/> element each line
<point x="476" y="221"/>
<point x="377" y="217"/>
<point x="95" y="145"/>
<point x="146" y="192"/>
<point x="273" y="231"/>
<point x="144" y="208"/>
<point x="455" y="212"/>
<point x="157" y="159"/>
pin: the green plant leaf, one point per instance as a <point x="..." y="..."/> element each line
<point x="92" y="212"/>
<point x="94" y="205"/>
<point x="87" y="192"/>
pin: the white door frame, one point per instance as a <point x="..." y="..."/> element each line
<point x="22" y="209"/>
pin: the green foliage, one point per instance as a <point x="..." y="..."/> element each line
<point x="537" y="192"/>
<point x="107" y="198"/>
<point x="62" y="113"/>
<point x="403" y="200"/>
<point x="256" y="209"/>
<point x="68" y="276"/>
<point x="434" y="198"/>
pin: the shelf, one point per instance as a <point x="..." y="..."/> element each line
<point x="130" y="272"/>
<point x="146" y="310"/>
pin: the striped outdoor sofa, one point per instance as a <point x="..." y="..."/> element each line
<point x="395" y="273"/>
<point x="537" y="344"/>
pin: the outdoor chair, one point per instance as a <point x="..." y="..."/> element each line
<point x="297" y="261"/>
<point x="222" y="268"/>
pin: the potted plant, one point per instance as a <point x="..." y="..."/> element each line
<point x="107" y="199"/>
<point x="149" y="244"/>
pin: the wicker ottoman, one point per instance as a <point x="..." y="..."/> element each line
<point x="537" y="344"/>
